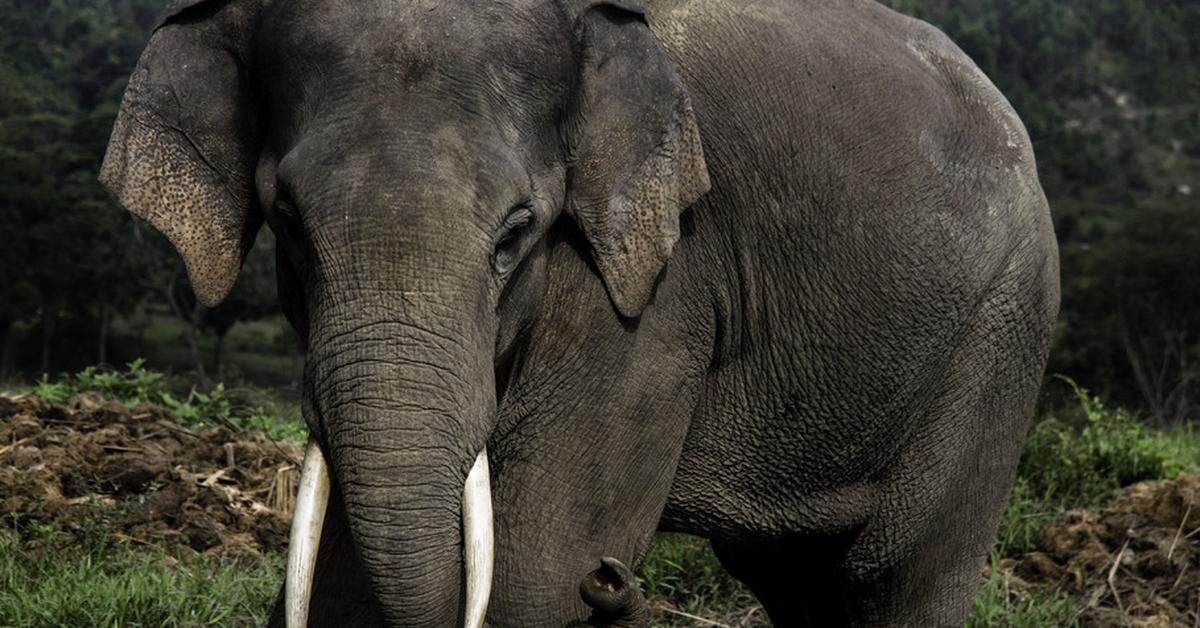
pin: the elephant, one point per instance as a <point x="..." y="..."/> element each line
<point x="776" y="273"/>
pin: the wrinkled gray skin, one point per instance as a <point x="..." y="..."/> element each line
<point x="493" y="230"/>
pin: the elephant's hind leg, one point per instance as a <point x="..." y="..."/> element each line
<point x="918" y="561"/>
<point x="791" y="578"/>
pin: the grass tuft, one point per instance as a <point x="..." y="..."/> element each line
<point x="119" y="585"/>
<point x="682" y="575"/>
<point x="999" y="604"/>
<point x="1084" y="459"/>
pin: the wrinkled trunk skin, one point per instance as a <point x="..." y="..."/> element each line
<point x="612" y="592"/>
<point x="405" y="399"/>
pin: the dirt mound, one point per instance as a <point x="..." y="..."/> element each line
<point x="138" y="476"/>
<point x="1135" y="563"/>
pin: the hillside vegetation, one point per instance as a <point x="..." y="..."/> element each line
<point x="1109" y="90"/>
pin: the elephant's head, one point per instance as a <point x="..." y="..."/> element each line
<point x="411" y="158"/>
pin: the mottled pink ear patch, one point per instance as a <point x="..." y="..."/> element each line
<point x="638" y="161"/>
<point x="156" y="178"/>
<point x="181" y="150"/>
<point x="645" y="221"/>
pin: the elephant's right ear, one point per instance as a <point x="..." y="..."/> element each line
<point x="186" y="139"/>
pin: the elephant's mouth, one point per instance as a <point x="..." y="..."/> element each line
<point x="309" y="517"/>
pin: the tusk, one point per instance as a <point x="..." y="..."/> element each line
<point x="307" y="521"/>
<point x="478" y="544"/>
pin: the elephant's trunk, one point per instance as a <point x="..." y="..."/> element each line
<point x="313" y="498"/>
<point x="404" y="412"/>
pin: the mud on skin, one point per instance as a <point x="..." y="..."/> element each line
<point x="779" y="274"/>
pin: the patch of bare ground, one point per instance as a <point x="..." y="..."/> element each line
<point x="140" y="477"/>
<point x="1136" y="563"/>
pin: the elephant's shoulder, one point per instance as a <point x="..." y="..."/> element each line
<point x="907" y="70"/>
<point x="962" y="89"/>
<point x="912" y="97"/>
<point x="878" y="103"/>
<point x="855" y="63"/>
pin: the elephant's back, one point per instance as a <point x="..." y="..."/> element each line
<point x="853" y="104"/>
<point x="870" y="186"/>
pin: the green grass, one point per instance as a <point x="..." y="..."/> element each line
<point x="683" y="571"/>
<point x="1082" y="460"/>
<point x="998" y="605"/>
<point x="119" y="585"/>
<point x="1079" y="458"/>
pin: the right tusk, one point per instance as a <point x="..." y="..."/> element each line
<point x="478" y="541"/>
<point x="307" y="520"/>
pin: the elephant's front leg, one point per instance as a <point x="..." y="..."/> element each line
<point x="578" y="488"/>
<point x="585" y="452"/>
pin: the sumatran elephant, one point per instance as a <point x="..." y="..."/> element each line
<point x="777" y="273"/>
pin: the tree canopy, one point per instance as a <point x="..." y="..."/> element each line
<point x="1108" y="89"/>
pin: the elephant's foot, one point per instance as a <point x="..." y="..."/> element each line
<point x="612" y="592"/>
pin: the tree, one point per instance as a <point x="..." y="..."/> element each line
<point x="62" y="69"/>
<point x="253" y="295"/>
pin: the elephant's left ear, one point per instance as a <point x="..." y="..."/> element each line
<point x="636" y="160"/>
<point x="186" y="140"/>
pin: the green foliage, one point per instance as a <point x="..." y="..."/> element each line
<point x="999" y="605"/>
<point x="117" y="585"/>
<point x="684" y="569"/>
<point x="1084" y="462"/>
<point x="197" y="409"/>
<point x="1025" y="519"/>
<point x="64" y="63"/>
<point x="1134" y="310"/>
<point x="1088" y="465"/>
<point x="73" y="259"/>
<point x="130" y="387"/>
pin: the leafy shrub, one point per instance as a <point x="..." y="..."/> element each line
<point x="1085" y="463"/>
<point x="137" y="384"/>
<point x="1087" y="466"/>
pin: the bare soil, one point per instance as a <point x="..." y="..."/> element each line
<point x="1136" y="563"/>
<point x="140" y="477"/>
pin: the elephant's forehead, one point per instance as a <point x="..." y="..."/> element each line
<point x="411" y="42"/>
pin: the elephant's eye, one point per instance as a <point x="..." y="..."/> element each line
<point x="286" y="209"/>
<point x="285" y="222"/>
<point x="510" y="238"/>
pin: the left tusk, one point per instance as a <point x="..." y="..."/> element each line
<point x="478" y="541"/>
<point x="307" y="521"/>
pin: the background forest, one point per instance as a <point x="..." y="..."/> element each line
<point x="1108" y="89"/>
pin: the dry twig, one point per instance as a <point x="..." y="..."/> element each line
<point x="1112" y="572"/>
<point x="1179" y="531"/>
<point x="706" y="622"/>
